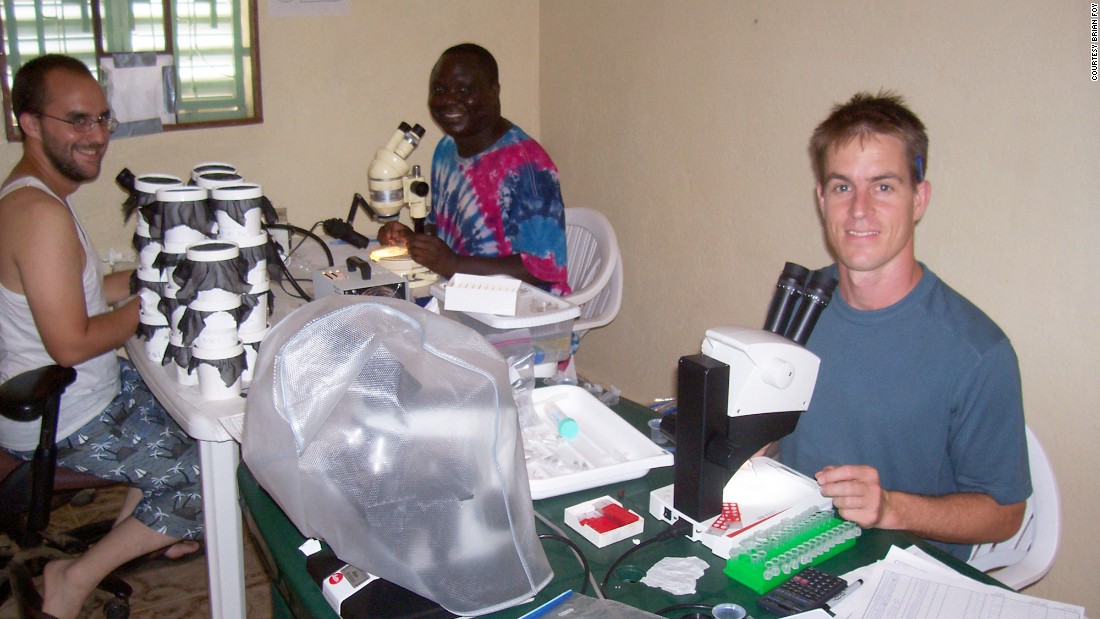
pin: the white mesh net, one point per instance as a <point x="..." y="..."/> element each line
<point x="391" y="433"/>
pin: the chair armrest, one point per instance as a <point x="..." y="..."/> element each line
<point x="25" y="397"/>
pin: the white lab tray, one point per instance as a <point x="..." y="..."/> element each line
<point x="534" y="308"/>
<point x="618" y="451"/>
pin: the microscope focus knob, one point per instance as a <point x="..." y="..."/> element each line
<point x="777" y="372"/>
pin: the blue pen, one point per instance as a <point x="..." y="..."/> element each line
<point x="549" y="606"/>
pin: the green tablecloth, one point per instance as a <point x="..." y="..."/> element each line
<point x="296" y="595"/>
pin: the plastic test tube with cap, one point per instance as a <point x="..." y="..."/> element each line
<point x="565" y="425"/>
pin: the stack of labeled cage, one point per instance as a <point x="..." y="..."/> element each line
<point x="202" y="279"/>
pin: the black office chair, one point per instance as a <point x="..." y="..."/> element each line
<point x="29" y="489"/>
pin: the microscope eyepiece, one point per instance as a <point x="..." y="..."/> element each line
<point x="787" y="291"/>
<point x="816" y="295"/>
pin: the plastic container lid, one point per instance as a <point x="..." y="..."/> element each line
<point x="150" y="183"/>
<point x="182" y="193"/>
<point x="214" y="180"/>
<point x="212" y="166"/>
<point x="213" y="251"/>
<point x="241" y="191"/>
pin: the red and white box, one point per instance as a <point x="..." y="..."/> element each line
<point x="603" y="521"/>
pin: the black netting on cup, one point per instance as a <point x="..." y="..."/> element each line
<point x="229" y="369"/>
<point x="253" y="255"/>
<point x="180" y="355"/>
<point x="157" y="287"/>
<point x="236" y="209"/>
<point x="166" y="260"/>
<point x="141" y="242"/>
<point x="193" y="322"/>
<point x="194" y="214"/>
<point x="193" y="276"/>
<point x="145" y="331"/>
<point x="250" y="300"/>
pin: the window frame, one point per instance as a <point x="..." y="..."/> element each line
<point x="251" y="78"/>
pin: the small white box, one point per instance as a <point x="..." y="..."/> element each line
<point x="484" y="294"/>
<point x="574" y="515"/>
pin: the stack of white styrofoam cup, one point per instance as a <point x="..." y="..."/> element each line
<point x="216" y="348"/>
<point x="184" y="222"/>
<point x="150" y="278"/>
<point x="154" y="324"/>
<point x="238" y="211"/>
<point x="177" y="352"/>
<point x="256" y="299"/>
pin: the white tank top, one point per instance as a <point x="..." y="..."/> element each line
<point x="21" y="348"/>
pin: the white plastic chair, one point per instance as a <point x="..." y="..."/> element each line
<point x="1028" y="555"/>
<point x="595" y="268"/>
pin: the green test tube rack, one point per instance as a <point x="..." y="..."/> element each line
<point x="769" y="558"/>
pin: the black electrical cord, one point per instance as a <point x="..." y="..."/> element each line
<point x="676" y="529"/>
<point x="577" y="551"/>
<point x="306" y="234"/>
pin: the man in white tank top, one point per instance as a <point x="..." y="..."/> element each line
<point x="55" y="307"/>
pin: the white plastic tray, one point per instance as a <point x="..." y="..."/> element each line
<point x="617" y="452"/>
<point x="534" y="308"/>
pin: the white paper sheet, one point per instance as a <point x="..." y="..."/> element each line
<point x="911" y="584"/>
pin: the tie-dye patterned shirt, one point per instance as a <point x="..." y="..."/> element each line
<point x="501" y="202"/>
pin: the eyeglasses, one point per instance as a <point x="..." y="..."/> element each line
<point x="85" y="124"/>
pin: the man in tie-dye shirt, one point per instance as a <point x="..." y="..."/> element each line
<point x="496" y="201"/>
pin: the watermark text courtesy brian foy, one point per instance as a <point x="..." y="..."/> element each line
<point x="1094" y="38"/>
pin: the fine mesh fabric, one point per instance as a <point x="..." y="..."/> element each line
<point x="391" y="433"/>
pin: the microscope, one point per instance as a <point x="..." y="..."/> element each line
<point x="392" y="185"/>
<point x="745" y="390"/>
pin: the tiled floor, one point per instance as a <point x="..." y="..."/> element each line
<point x="165" y="589"/>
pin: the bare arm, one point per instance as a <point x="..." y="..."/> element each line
<point x="961" y="518"/>
<point x="433" y="253"/>
<point x="116" y="286"/>
<point x="51" y="281"/>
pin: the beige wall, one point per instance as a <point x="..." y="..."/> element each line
<point x="686" y="124"/>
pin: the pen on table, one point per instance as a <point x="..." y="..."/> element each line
<point x="547" y="607"/>
<point x="849" y="590"/>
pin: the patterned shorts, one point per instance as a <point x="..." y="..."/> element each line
<point x="135" y="442"/>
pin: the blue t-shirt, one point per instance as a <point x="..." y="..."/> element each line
<point x="503" y="201"/>
<point x="927" y="391"/>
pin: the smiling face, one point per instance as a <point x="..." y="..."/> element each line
<point x="75" y="156"/>
<point x="465" y="102"/>
<point x="870" y="207"/>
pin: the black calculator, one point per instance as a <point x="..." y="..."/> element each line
<point x="806" y="590"/>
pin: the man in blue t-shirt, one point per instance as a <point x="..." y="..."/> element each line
<point x="496" y="202"/>
<point x="917" y="420"/>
